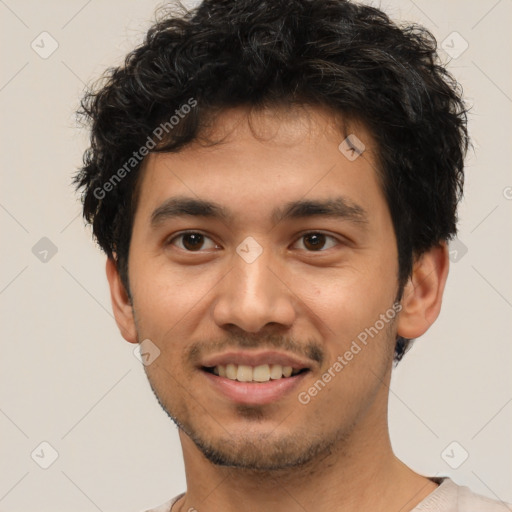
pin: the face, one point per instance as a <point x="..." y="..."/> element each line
<point x="259" y="302"/>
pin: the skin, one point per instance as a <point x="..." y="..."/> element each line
<point x="333" y="453"/>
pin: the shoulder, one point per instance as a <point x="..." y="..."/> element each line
<point x="450" y="497"/>
<point x="469" y="501"/>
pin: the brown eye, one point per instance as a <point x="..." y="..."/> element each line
<point x="315" y="242"/>
<point x="192" y="242"/>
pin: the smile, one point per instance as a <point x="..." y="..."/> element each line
<point x="254" y="377"/>
<point x="260" y="373"/>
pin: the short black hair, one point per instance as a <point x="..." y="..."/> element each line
<point x="348" y="57"/>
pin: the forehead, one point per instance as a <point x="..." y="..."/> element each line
<point x="254" y="162"/>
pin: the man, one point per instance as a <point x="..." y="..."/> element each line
<point x="274" y="184"/>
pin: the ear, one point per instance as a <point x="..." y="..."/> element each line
<point x="423" y="293"/>
<point x="121" y="304"/>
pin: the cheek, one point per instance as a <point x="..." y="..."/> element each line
<point x="166" y="293"/>
<point x="346" y="298"/>
<point x="348" y="308"/>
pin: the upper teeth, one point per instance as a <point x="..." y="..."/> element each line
<point x="244" y="373"/>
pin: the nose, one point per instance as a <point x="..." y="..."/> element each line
<point x="254" y="295"/>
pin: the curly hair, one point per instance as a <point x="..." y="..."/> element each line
<point x="348" y="57"/>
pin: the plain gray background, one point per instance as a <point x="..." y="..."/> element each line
<point x="70" y="380"/>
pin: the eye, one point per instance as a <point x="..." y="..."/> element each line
<point x="314" y="241"/>
<point x="191" y="241"/>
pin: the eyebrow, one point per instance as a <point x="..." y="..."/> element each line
<point x="338" y="208"/>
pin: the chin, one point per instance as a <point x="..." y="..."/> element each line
<point x="254" y="444"/>
<point x="259" y="448"/>
<point x="261" y="454"/>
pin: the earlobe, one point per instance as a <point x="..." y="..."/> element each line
<point x="121" y="304"/>
<point x="423" y="293"/>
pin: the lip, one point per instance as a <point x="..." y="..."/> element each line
<point x="256" y="358"/>
<point x="254" y="393"/>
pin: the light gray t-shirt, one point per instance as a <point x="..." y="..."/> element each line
<point x="448" y="497"/>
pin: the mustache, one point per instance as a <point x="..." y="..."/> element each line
<point x="310" y="349"/>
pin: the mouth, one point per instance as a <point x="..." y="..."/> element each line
<point x="250" y="378"/>
<point x="260" y="373"/>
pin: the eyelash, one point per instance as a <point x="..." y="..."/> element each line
<point x="170" y="241"/>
